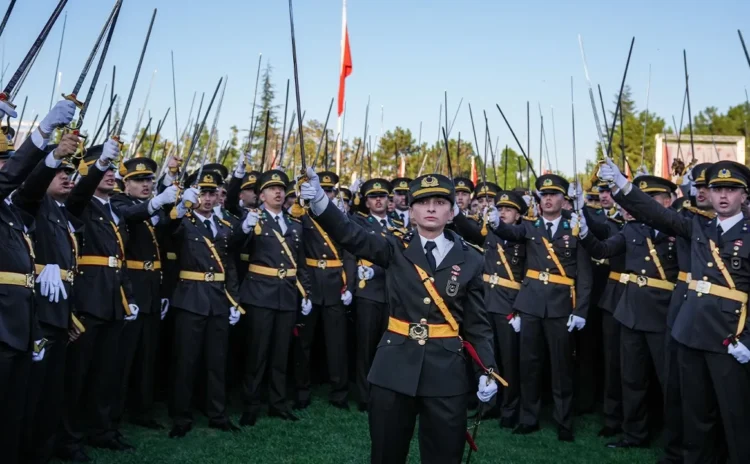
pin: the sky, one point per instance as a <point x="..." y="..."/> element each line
<point x="406" y="54"/>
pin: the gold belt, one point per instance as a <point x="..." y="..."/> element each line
<point x="171" y="256"/>
<point x="202" y="276"/>
<point x="615" y="276"/>
<point x="105" y="261"/>
<point x="245" y="257"/>
<point x="15" y="278"/>
<point x="494" y="279"/>
<point x="144" y="265"/>
<point x="546" y="277"/>
<point x="324" y="263"/>
<point x="66" y="275"/>
<point x="684" y="277"/>
<point x="701" y="287"/>
<point x="272" y="272"/>
<point x="421" y="331"/>
<point x="644" y="281"/>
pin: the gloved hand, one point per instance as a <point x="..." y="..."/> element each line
<point x="487" y="389"/>
<point x="354" y="188"/>
<point x="110" y="152"/>
<point x="167" y="197"/>
<point x="580" y="221"/>
<point x="575" y="322"/>
<point x="133" y="312"/>
<point x="611" y="173"/>
<point x="250" y="220"/>
<point x="164" y="307"/>
<point x="191" y="195"/>
<point x="51" y="284"/>
<point x="234" y="315"/>
<point x="740" y="352"/>
<point x="365" y="273"/>
<point x="346" y="298"/>
<point x="306" y="306"/>
<point x="67" y="146"/>
<point x="239" y="169"/>
<point x="339" y="204"/>
<point x="37" y="356"/>
<point x="311" y="190"/>
<point x="60" y="115"/>
<point x="493" y="217"/>
<point x="456" y="210"/>
<point x="576" y="193"/>
<point x="7" y="110"/>
<point x="515" y="322"/>
<point x="642" y="171"/>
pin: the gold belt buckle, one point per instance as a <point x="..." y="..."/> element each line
<point x="544" y="277"/>
<point x="494" y="279"/>
<point x="688" y="277"/>
<point x="642" y="281"/>
<point x="322" y="264"/>
<point x="281" y="273"/>
<point x="148" y="265"/>
<point x="70" y="276"/>
<point x="703" y="287"/>
<point x="112" y="261"/>
<point x="209" y="277"/>
<point x="624" y="278"/>
<point x="419" y="331"/>
<point x="30" y="280"/>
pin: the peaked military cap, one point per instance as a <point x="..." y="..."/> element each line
<point x="271" y="178"/>
<point x="218" y="167"/>
<point x="119" y="186"/>
<point x="512" y="200"/>
<point x="140" y="169"/>
<point x="431" y="185"/>
<point x="463" y="184"/>
<point x="328" y="180"/>
<point x="290" y="189"/>
<point x="249" y="180"/>
<point x="209" y="180"/>
<point x="654" y="184"/>
<point x="728" y="174"/>
<point x="346" y="194"/>
<point x="400" y="184"/>
<point x="375" y="187"/>
<point x="486" y="189"/>
<point x="552" y="183"/>
<point x="699" y="174"/>
<point x="90" y="157"/>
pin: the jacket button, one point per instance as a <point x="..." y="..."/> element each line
<point x="710" y="264"/>
<point x="427" y="300"/>
<point x="388" y="341"/>
<point x="648" y="258"/>
<point x="423" y="321"/>
<point x="422" y="342"/>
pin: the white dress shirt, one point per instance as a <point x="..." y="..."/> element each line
<point x="380" y="219"/>
<point x="443" y="246"/>
<point x="107" y="204"/>
<point x="281" y="220"/>
<point x="555" y="224"/>
<point x="728" y="223"/>
<point x="405" y="215"/>
<point x="202" y="218"/>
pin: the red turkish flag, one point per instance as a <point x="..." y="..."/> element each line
<point x="346" y="63"/>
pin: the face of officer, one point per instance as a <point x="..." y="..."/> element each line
<point x="605" y="199"/>
<point x="727" y="201"/>
<point x="399" y="200"/>
<point x="289" y="201"/>
<point x="208" y="200"/>
<point x="464" y="200"/>
<point x="222" y="196"/>
<point x="377" y="204"/>
<point x="391" y="205"/>
<point x="552" y="204"/>
<point x="483" y="202"/>
<point x="703" y="198"/>
<point x="248" y="197"/>
<point x="273" y="197"/>
<point x="330" y="194"/>
<point x="139" y="188"/>
<point x="431" y="215"/>
<point x="474" y="206"/>
<point x="509" y="215"/>
<point x="107" y="184"/>
<point x="664" y="198"/>
<point x="60" y="187"/>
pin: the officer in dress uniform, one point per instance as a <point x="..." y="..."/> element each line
<point x="21" y="339"/>
<point x="145" y="220"/>
<point x="553" y="301"/>
<point x="372" y="308"/>
<point x="464" y="193"/>
<point x="108" y="302"/>
<point x="277" y="280"/>
<point x="204" y="304"/>
<point x="400" y="213"/>
<point x="434" y="287"/>
<point x="649" y="279"/>
<point x="332" y="273"/>
<point x="290" y="195"/>
<point x="711" y="326"/>
<point x="346" y="197"/>
<point x="504" y="264"/>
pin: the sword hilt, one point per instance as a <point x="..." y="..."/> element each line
<point x="5" y="98"/>
<point x="74" y="98"/>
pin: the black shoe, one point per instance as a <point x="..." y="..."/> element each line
<point x="525" y="429"/>
<point x="225" y="426"/>
<point x="343" y="405"/>
<point x="248" y="419"/>
<point x="301" y="404"/>
<point x="493" y="413"/>
<point x="624" y="444"/>
<point x="565" y="435"/>
<point x="147" y="423"/>
<point x="508" y="423"/>
<point x="609" y="432"/>
<point x="179" y="431"/>
<point x="285" y="415"/>
<point x="362" y="407"/>
<point x="75" y="455"/>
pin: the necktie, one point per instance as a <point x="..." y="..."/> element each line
<point x="428" y="247"/>
<point x="403" y="218"/>
<point x="549" y="230"/>
<point x="382" y="223"/>
<point x="720" y="231"/>
<point x="207" y="223"/>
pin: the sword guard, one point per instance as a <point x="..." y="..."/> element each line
<point x="74" y="98"/>
<point x="4" y="98"/>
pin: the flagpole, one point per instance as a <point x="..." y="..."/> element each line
<point x="341" y="65"/>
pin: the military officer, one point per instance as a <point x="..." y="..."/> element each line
<point x="464" y="193"/>
<point x="205" y="304"/>
<point x="558" y="274"/>
<point x="346" y="197"/>
<point x="145" y="220"/>
<point x="276" y="280"/>
<point x="241" y="189"/>
<point x="711" y="326"/>
<point x="400" y="192"/>
<point x="331" y="272"/>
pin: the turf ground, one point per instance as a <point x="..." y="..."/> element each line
<point x="327" y="435"/>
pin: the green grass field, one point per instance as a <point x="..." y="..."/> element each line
<point x="328" y="435"/>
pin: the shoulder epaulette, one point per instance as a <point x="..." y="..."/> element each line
<point x="616" y="221"/>
<point x="360" y="213"/>
<point x="476" y="247"/>
<point x="700" y="212"/>
<point x="397" y="222"/>
<point x="294" y="219"/>
<point x="225" y="222"/>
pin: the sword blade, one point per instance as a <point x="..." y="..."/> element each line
<point x="7" y="15"/>
<point x="90" y="59"/>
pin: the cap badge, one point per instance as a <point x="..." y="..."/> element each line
<point x="643" y="185"/>
<point x="275" y="177"/>
<point x="327" y="179"/>
<point x="403" y="184"/>
<point x="377" y="185"/>
<point x="547" y="183"/>
<point x="429" y="181"/>
<point x="140" y="167"/>
<point x="724" y="174"/>
<point x="461" y="183"/>
<point x="504" y="198"/>
<point x="208" y="178"/>
<point x="251" y="178"/>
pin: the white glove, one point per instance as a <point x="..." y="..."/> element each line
<point x="527" y="199"/>
<point x="575" y="322"/>
<point x="580" y="221"/>
<point x="740" y="352"/>
<point x="167" y="197"/>
<point x="339" y="203"/>
<point x="191" y="195"/>
<point x="234" y="315"/>
<point x="365" y="273"/>
<point x="133" y="312"/>
<point x="693" y="191"/>
<point x="164" y="307"/>
<point x="7" y="110"/>
<point x="493" y="217"/>
<point x="306" y="306"/>
<point x="456" y="210"/>
<point x="250" y="220"/>
<point x="239" y="170"/>
<point x="51" y="284"/>
<point x="576" y="193"/>
<point x="487" y="389"/>
<point x="110" y="151"/>
<point x="611" y="173"/>
<point x="346" y="298"/>
<point x="515" y="322"/>
<point x="60" y="115"/>
<point x="311" y="190"/>
<point x="642" y="171"/>
<point x="354" y="188"/>
<point x="36" y="357"/>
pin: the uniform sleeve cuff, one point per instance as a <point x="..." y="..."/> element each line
<point x="51" y="162"/>
<point x="39" y="141"/>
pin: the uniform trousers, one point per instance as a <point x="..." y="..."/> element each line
<point x="442" y="426"/>
<point x="14" y="374"/>
<point x="334" y="331"/>
<point x="672" y="403"/>
<point x="612" y="406"/>
<point x="714" y="393"/>
<point x="371" y="323"/>
<point x="506" y="344"/>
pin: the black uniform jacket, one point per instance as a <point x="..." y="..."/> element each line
<point x="499" y="257"/>
<point x="551" y="300"/>
<point x="437" y="367"/>
<point x="604" y="227"/>
<point x="278" y="292"/>
<point x="375" y="288"/>
<point x="329" y="282"/>
<point x="705" y="320"/>
<point x="197" y="253"/>
<point x="641" y="307"/>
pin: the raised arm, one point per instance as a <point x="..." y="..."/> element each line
<point x="83" y="191"/>
<point x="468" y="229"/>
<point x="644" y="208"/>
<point x="512" y="232"/>
<point x="608" y="248"/>
<point x="30" y="194"/>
